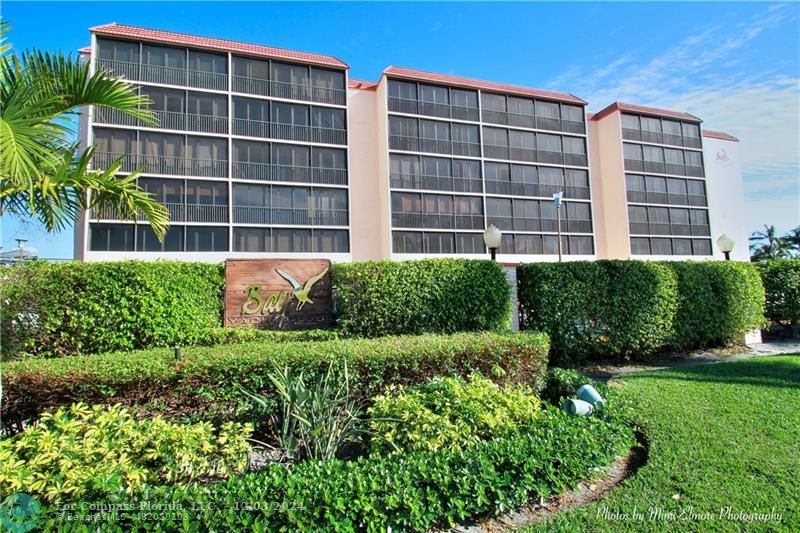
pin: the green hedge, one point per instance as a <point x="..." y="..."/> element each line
<point x="633" y="309"/>
<point x="718" y="301"/>
<point x="409" y="492"/>
<point x="781" y="278"/>
<point x="411" y="297"/>
<point x="204" y="383"/>
<point x="72" y="308"/>
<point x="600" y="308"/>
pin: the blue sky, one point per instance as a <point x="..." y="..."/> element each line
<point x="736" y="65"/>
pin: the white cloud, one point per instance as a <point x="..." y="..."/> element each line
<point x="696" y="75"/>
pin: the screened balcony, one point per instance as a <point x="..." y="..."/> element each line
<point x="169" y="165"/>
<point x="206" y="213"/>
<point x="289" y="173"/>
<point x="165" y="75"/>
<point x="289" y="216"/>
<point x="435" y="183"/>
<point x="167" y="120"/>
<point x="436" y="220"/>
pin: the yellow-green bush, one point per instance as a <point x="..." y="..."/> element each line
<point x="85" y="452"/>
<point x="449" y="413"/>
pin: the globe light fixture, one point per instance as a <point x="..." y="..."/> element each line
<point x="725" y="245"/>
<point x="492" y="238"/>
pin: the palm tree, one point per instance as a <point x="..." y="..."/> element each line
<point x="44" y="174"/>
<point x="792" y="240"/>
<point x="767" y="245"/>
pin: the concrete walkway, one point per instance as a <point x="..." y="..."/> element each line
<point x="699" y="357"/>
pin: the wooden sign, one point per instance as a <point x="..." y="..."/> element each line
<point x="278" y="293"/>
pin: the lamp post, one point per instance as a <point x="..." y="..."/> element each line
<point x="725" y="244"/>
<point x="21" y="245"/>
<point x="492" y="238"/>
<point x="557" y="201"/>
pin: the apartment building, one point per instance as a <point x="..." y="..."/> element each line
<point x="264" y="152"/>
<point x="249" y="152"/>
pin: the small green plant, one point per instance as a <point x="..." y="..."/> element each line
<point x="319" y="418"/>
<point x="101" y="451"/>
<point x="448" y="412"/>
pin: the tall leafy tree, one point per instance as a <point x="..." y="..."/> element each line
<point x="45" y="174"/>
<point x="767" y="245"/>
<point x="792" y="240"/>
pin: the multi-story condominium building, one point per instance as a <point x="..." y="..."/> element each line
<point x="266" y="152"/>
<point x="249" y="153"/>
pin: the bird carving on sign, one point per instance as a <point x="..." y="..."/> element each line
<point x="301" y="291"/>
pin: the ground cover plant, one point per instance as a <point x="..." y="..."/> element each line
<point x="723" y="445"/>
<point x="409" y="491"/>
<point x="449" y="412"/>
<point x="96" y="452"/>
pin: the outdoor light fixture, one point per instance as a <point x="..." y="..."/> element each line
<point x="557" y="201"/>
<point x="725" y="244"/>
<point x="492" y="238"/>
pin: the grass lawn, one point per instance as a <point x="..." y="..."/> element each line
<point x="724" y="435"/>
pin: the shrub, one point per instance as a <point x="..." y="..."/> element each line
<point x="321" y="416"/>
<point x="53" y="309"/>
<point x="781" y="278"/>
<point x="411" y="297"/>
<point x="405" y="492"/>
<point x="563" y="384"/>
<point x="718" y="302"/>
<point x="206" y="381"/>
<point x="91" y="452"/>
<point x="598" y="309"/>
<point x="448" y="412"/>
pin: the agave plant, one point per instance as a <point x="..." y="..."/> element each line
<point x="45" y="174"/>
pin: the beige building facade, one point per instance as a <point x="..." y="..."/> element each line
<point x="265" y="152"/>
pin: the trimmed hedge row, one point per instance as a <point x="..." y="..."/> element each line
<point x="633" y="309"/>
<point x="407" y="492"/>
<point x="204" y="384"/>
<point x="378" y="298"/>
<point x="80" y="308"/>
<point x="718" y="302"/>
<point x="781" y="278"/>
<point x="72" y="308"/>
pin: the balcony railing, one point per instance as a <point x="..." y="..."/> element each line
<point x="522" y="154"/>
<point x="293" y="132"/>
<point x="578" y="160"/>
<point x="660" y="138"/>
<point x="298" y="91"/>
<point x="466" y="148"/>
<point x="166" y="75"/>
<point x="402" y="105"/>
<point x="653" y="228"/>
<point x="547" y="156"/>
<point x="437" y="220"/>
<point x="435" y="183"/>
<point x="244" y="84"/>
<point x="289" y="216"/>
<point x="403" y="142"/>
<point x="167" y="120"/>
<point x="289" y="173"/>
<point x="434" y="109"/>
<point x="464" y="113"/>
<point x="206" y="213"/>
<point x="494" y="151"/>
<point x="435" y="146"/>
<point x="156" y="164"/>
<point x="541" y="190"/>
<point x="694" y="171"/>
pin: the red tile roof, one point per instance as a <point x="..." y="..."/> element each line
<point x="210" y="43"/>
<point x="719" y="135"/>
<point x="458" y="81"/>
<point x="86" y="50"/>
<point x="363" y="85"/>
<point x="619" y="106"/>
